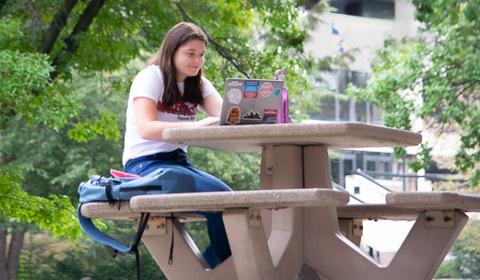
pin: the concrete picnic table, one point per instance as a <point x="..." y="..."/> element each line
<point x="291" y="225"/>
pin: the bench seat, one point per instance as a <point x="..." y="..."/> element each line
<point x="117" y="211"/>
<point x="260" y="199"/>
<point x="123" y="211"/>
<point x="164" y="204"/>
<point x="407" y="205"/>
<point x="376" y="212"/>
<point x="399" y="206"/>
<point x="434" y="201"/>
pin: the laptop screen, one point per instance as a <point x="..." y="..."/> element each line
<point x="251" y="101"/>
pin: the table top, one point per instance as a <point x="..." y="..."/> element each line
<point x="248" y="138"/>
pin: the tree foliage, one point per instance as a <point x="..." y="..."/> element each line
<point x="435" y="78"/>
<point x="47" y="45"/>
<point x="65" y="70"/>
<point x="465" y="261"/>
<point x="53" y="213"/>
<point x="81" y="258"/>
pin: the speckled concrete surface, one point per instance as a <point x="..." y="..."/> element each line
<point x="239" y="199"/>
<point x="434" y="201"/>
<point x="245" y="138"/>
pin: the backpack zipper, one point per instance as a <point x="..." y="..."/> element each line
<point x="142" y="188"/>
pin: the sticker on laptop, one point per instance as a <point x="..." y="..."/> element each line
<point x="266" y="89"/>
<point x="252" y="116"/>
<point x="233" y="116"/>
<point x="234" y="95"/>
<point x="270" y="116"/>
<point x="277" y="92"/>
<point x="250" y="89"/>
<point x="235" y="84"/>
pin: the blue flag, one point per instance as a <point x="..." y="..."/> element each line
<point x="335" y="31"/>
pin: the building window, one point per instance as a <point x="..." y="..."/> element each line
<point x="335" y="166"/>
<point x="346" y="165"/>
<point x="337" y="106"/>
<point x="379" y="165"/>
<point x="371" y="166"/>
<point x="365" y="8"/>
<point x="356" y="190"/>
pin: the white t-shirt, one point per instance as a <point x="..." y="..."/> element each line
<point x="149" y="83"/>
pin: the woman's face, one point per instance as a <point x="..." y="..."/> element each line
<point x="188" y="59"/>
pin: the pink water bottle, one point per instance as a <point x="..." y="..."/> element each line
<point x="283" y="115"/>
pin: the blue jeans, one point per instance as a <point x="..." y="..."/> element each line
<point x="219" y="249"/>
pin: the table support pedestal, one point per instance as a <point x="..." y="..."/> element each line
<point x="282" y="168"/>
<point x="418" y="258"/>
<point x="280" y="244"/>
<point x="185" y="254"/>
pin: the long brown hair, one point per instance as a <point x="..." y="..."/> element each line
<point x="177" y="36"/>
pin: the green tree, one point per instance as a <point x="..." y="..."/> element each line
<point x="52" y="163"/>
<point x="465" y="261"/>
<point x="59" y="123"/>
<point x="435" y="78"/>
<point x="75" y="259"/>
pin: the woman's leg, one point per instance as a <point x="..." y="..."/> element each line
<point x="219" y="249"/>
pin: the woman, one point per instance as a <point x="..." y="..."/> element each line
<point x="167" y="94"/>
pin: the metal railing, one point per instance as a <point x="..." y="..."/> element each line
<point x="371" y="179"/>
<point x="338" y="187"/>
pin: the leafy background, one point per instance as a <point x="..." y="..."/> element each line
<point x="65" y="71"/>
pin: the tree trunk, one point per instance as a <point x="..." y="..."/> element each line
<point x="2" y="3"/>
<point x="71" y="44"/>
<point x="14" y="250"/>
<point x="58" y="23"/>
<point x="3" y="252"/>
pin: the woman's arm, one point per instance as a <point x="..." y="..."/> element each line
<point x="148" y="125"/>
<point x="212" y="104"/>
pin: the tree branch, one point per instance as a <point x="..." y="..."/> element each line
<point x="2" y="3"/>
<point x="219" y="48"/>
<point x="58" y="23"/>
<point x="8" y="158"/>
<point x="465" y="88"/>
<point x="467" y="81"/>
<point x="30" y="201"/>
<point x="82" y="26"/>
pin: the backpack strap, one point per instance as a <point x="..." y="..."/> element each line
<point x="89" y="228"/>
<point x="108" y="192"/>
<point x="170" y="254"/>
<point x="142" y="224"/>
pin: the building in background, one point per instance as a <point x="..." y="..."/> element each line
<point x="360" y="27"/>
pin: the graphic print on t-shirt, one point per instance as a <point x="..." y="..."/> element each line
<point x="185" y="111"/>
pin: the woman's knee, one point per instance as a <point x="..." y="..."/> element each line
<point x="209" y="183"/>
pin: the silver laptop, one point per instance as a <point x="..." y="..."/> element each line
<point x="251" y="101"/>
